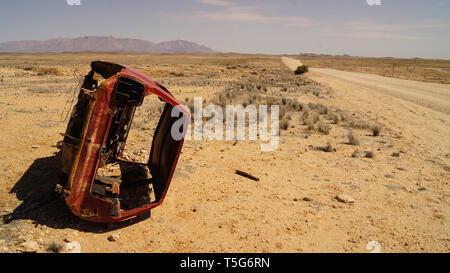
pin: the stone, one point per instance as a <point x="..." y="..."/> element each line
<point x="114" y="237"/>
<point x="345" y="198"/>
<point x="29" y="246"/>
<point x="70" y="237"/>
<point x="196" y="208"/>
<point x="72" y="247"/>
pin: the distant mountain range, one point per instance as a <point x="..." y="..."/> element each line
<point x="102" y="44"/>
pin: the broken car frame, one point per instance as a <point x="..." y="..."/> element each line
<point x="96" y="135"/>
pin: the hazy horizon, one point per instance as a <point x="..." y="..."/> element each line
<point x="401" y="29"/>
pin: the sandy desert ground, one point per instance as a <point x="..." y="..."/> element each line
<point x="357" y="161"/>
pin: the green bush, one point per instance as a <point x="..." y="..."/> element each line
<point x="301" y="69"/>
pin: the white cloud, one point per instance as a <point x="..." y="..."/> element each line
<point x="371" y="26"/>
<point x="228" y="11"/>
<point x="237" y="12"/>
<point x="383" y="35"/>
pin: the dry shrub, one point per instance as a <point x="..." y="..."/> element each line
<point x="353" y="139"/>
<point x="358" y="124"/>
<point x="329" y="148"/>
<point x="301" y="69"/>
<point x="177" y="74"/>
<point x="284" y="124"/>
<point x="376" y="129"/>
<point x="305" y="115"/>
<point x="55" y="247"/>
<point x="309" y="124"/>
<point x="43" y="71"/>
<point x="297" y="106"/>
<point x="335" y="118"/>
<point x="324" y="127"/>
<point x="315" y="118"/>
<point x="190" y="105"/>
<point x="282" y="112"/>
<point x="323" y="110"/>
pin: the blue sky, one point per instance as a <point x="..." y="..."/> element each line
<point x="397" y="28"/>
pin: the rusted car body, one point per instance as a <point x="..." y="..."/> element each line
<point x="96" y="135"/>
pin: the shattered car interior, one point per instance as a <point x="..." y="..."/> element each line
<point x="96" y="135"/>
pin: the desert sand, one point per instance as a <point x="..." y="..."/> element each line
<point x="317" y="192"/>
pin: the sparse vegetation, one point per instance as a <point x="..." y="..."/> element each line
<point x="376" y="129"/>
<point x="284" y="124"/>
<point x="370" y="154"/>
<point x="55" y="247"/>
<point x="329" y="148"/>
<point x="323" y="161"/>
<point x="324" y="127"/>
<point x="353" y="139"/>
<point x="301" y="70"/>
<point x="43" y="71"/>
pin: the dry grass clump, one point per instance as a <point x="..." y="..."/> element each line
<point x="324" y="127"/>
<point x="353" y="139"/>
<point x="309" y="124"/>
<point x="190" y="105"/>
<point x="334" y="117"/>
<point x="55" y="247"/>
<point x="176" y="74"/>
<point x="376" y="129"/>
<point x="305" y="115"/>
<point x="43" y="71"/>
<point x="358" y="124"/>
<point x="329" y="148"/>
<point x="370" y="154"/>
<point x="301" y="69"/>
<point x="284" y="124"/>
<point x="319" y="108"/>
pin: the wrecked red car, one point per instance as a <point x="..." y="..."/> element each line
<point x="96" y="135"/>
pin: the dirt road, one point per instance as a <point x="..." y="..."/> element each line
<point x="292" y="64"/>
<point x="432" y="95"/>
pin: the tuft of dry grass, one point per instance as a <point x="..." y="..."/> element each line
<point x="309" y="122"/>
<point x="370" y="154"/>
<point x="376" y="129"/>
<point x="324" y="127"/>
<point x="353" y="139"/>
<point x="43" y="71"/>
<point x="329" y="148"/>
<point x="55" y="247"/>
<point x="334" y="118"/>
<point x="284" y="124"/>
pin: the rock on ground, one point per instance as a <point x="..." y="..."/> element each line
<point x="345" y="198"/>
